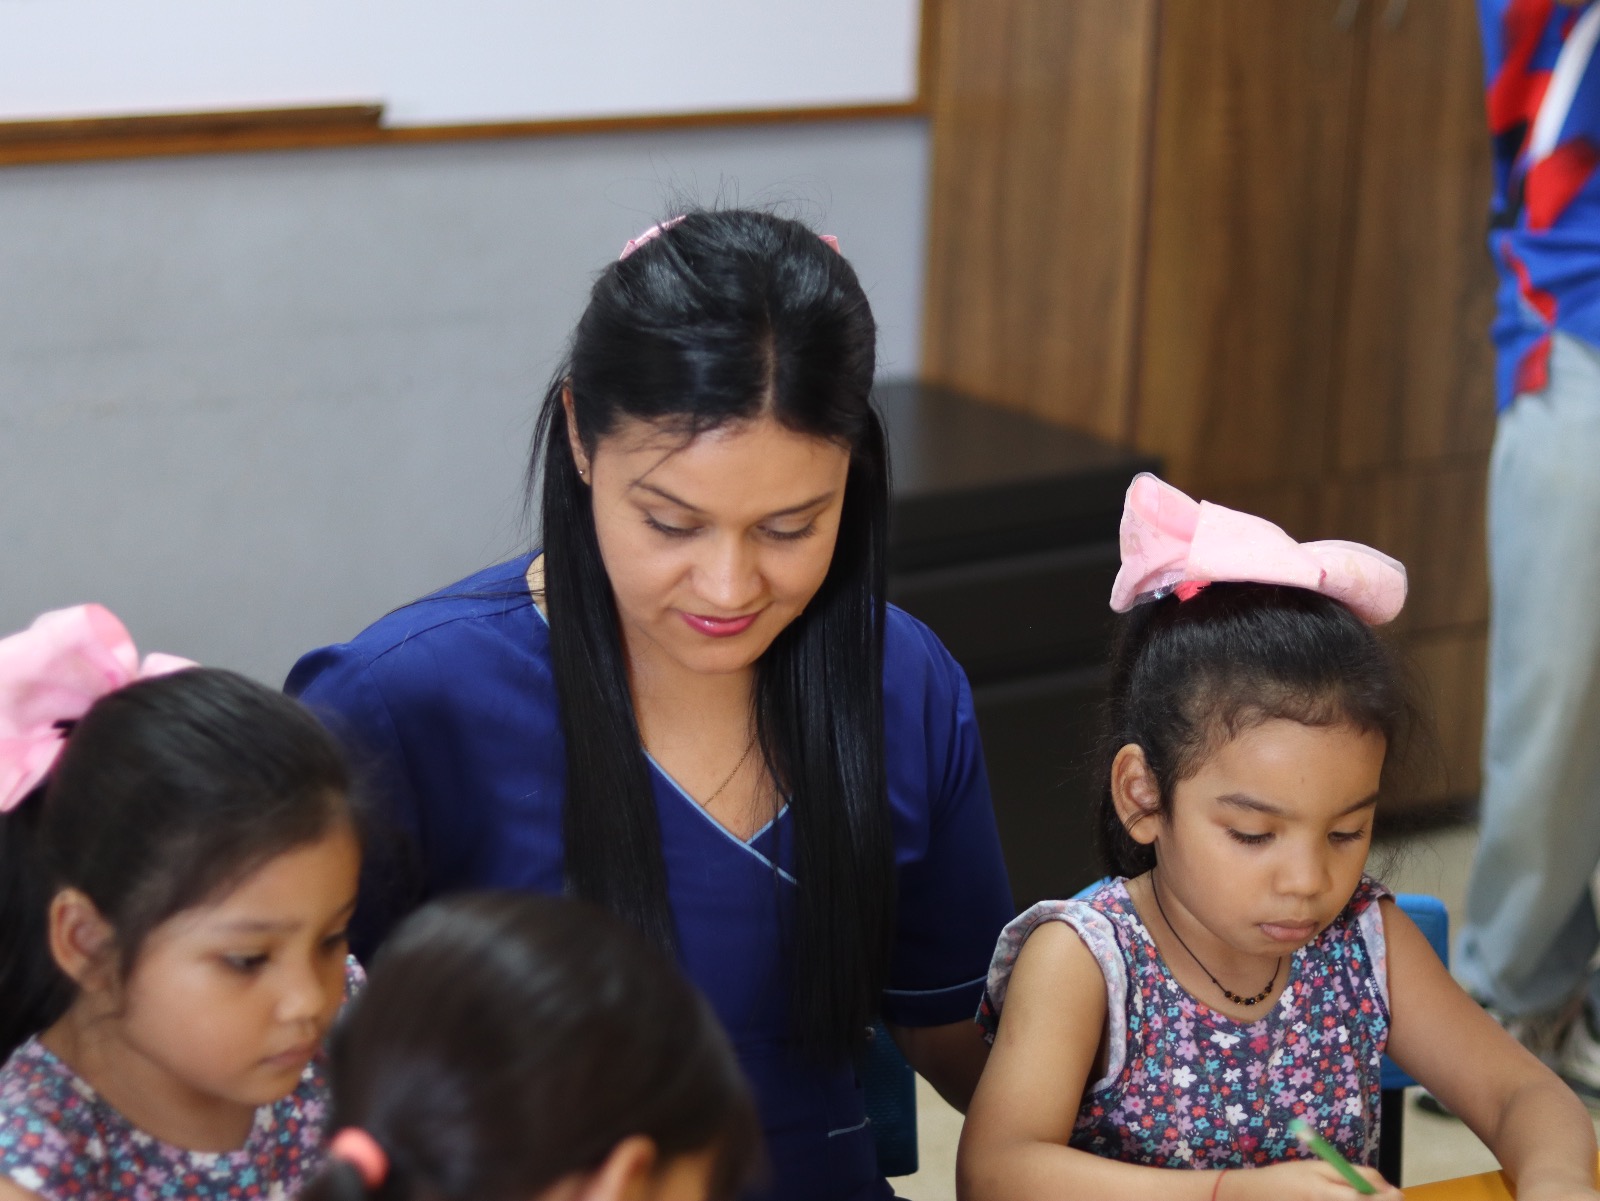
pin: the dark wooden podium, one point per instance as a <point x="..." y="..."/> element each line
<point x="1003" y="538"/>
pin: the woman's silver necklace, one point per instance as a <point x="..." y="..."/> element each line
<point x="1232" y="996"/>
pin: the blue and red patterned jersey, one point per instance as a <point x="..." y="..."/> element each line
<point x="1545" y="236"/>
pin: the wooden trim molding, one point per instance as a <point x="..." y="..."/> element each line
<point x="351" y="125"/>
<point x="594" y="125"/>
<point x="186" y="133"/>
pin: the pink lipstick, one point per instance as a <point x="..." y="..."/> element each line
<point x="719" y="627"/>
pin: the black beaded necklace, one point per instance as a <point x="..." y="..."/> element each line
<point x="1232" y="996"/>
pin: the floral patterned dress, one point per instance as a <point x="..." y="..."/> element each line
<point x="1189" y="1087"/>
<point x="60" y="1139"/>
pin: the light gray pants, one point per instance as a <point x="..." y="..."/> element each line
<point x="1530" y="930"/>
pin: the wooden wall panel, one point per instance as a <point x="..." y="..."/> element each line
<point x="1040" y="115"/>
<point x="1247" y="206"/>
<point x="1430" y="516"/>
<point x="1296" y="505"/>
<point x="1247" y="237"/>
<point x="1451" y="664"/>
<point x="1416" y="372"/>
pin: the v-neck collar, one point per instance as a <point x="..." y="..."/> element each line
<point x="746" y="844"/>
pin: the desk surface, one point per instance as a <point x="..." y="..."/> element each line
<point x="1486" y="1186"/>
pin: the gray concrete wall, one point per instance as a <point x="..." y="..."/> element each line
<point x="252" y="402"/>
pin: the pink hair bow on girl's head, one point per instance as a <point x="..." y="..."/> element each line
<point x="51" y="673"/>
<point x="1173" y="543"/>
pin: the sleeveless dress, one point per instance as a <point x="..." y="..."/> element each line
<point x="1188" y="1087"/>
<point x="60" y="1139"/>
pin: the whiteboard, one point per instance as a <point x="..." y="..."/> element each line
<point x="444" y="62"/>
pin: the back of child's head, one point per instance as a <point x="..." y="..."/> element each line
<point x="166" y="791"/>
<point x="506" y="1042"/>
<point x="1188" y="675"/>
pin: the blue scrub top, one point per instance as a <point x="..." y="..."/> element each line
<point x="450" y="704"/>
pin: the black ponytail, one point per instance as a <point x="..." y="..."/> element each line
<point x="35" y="991"/>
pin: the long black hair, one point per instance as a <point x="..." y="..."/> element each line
<point x="726" y="317"/>
<point x="167" y="791"/>
<point x="1188" y="675"/>
<point x="505" y="1041"/>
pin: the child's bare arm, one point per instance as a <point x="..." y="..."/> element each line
<point x="1014" y="1142"/>
<point x="1535" y="1124"/>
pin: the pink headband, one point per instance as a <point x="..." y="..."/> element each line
<point x="361" y="1151"/>
<point x="1172" y="543"/>
<point x="51" y="673"/>
<point x="655" y="231"/>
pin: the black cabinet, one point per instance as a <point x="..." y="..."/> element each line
<point x="1003" y="538"/>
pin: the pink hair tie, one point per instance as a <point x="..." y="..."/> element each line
<point x="360" y="1150"/>
<point x="50" y="674"/>
<point x="649" y="235"/>
<point x="655" y="231"/>
<point x="1171" y="543"/>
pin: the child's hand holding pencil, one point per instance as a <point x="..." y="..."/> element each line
<point x="1324" y="1150"/>
<point x="1329" y="1177"/>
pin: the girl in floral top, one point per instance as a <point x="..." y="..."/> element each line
<point x="1241" y="970"/>
<point x="178" y="861"/>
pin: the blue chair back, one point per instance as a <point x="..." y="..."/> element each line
<point x="890" y="1089"/>
<point x="1434" y="921"/>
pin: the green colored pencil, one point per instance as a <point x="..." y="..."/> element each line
<point x="1323" y="1149"/>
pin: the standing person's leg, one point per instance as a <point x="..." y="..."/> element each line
<point x="1530" y="928"/>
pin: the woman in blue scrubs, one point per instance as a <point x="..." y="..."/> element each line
<point x="694" y="706"/>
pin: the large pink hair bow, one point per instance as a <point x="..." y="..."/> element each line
<point x="50" y="674"/>
<point x="1170" y="541"/>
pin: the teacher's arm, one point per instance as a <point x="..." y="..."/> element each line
<point x="338" y="685"/>
<point x="949" y="1057"/>
<point x="954" y="897"/>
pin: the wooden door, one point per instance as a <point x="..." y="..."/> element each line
<point x="1416" y="366"/>
<point x="1246" y="241"/>
<point x="1040" y="125"/>
<point x="1413" y="411"/>
<point x="1247" y="236"/>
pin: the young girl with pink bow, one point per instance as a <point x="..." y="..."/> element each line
<point x="178" y="861"/>
<point x="1241" y="970"/>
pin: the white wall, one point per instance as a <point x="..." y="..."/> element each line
<point x="468" y="60"/>
<point x="251" y="402"/>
